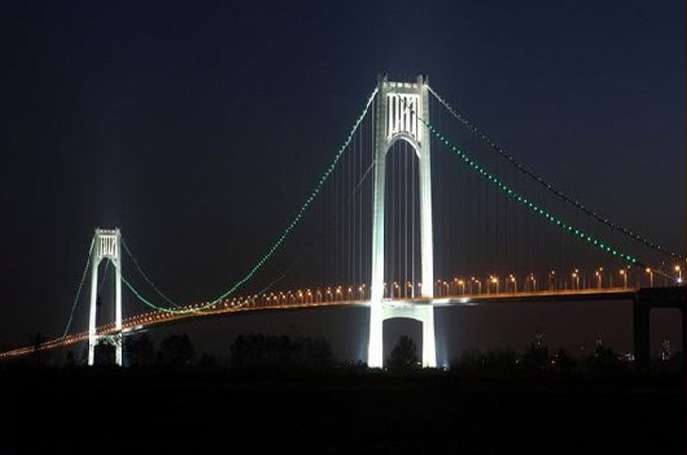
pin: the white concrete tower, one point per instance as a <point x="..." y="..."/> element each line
<point x="398" y="107"/>
<point x="107" y="245"/>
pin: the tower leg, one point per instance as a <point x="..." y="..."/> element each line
<point x="429" y="348"/>
<point x="377" y="279"/>
<point x="375" y="354"/>
<point x="91" y="319"/>
<point x="118" y="312"/>
<point x="426" y="228"/>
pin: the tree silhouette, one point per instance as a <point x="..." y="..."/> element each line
<point x="471" y="363"/>
<point x="562" y="363"/>
<point x="535" y="360"/>
<point x="176" y="350"/>
<point x="499" y="363"/>
<point x="207" y="362"/>
<point x="604" y="361"/>
<point x="139" y="350"/>
<point x="70" y="360"/>
<point x="40" y="356"/>
<point x="403" y="356"/>
<point x="259" y="352"/>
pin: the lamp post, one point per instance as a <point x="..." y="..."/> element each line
<point x="479" y="284"/>
<point x="495" y="282"/>
<point x="623" y="273"/>
<point x="599" y="276"/>
<point x="651" y="276"/>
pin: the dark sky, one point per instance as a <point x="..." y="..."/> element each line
<point x="198" y="128"/>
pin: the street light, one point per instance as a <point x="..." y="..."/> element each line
<point x="442" y="285"/>
<point x="623" y="273"/>
<point x="479" y="285"/>
<point x="493" y="279"/>
<point x="534" y="282"/>
<point x="515" y="283"/>
<point x="599" y="275"/>
<point x="576" y="277"/>
<point x="651" y="276"/>
<point x="679" y="273"/>
<point x="461" y="283"/>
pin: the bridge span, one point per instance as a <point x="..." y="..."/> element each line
<point x="144" y="321"/>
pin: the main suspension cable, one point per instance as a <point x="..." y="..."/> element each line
<point x="522" y="199"/>
<point x="560" y="194"/>
<point x="280" y="240"/>
<point x="78" y="292"/>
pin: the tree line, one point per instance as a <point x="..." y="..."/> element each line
<point x="265" y="353"/>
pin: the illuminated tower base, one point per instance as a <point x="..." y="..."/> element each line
<point x="106" y="246"/>
<point x="381" y="311"/>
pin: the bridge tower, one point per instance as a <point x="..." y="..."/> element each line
<point x="398" y="106"/>
<point x="106" y="245"/>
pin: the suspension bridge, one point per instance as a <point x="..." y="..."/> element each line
<point x="417" y="209"/>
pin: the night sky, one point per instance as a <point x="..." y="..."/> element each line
<point x="198" y="128"/>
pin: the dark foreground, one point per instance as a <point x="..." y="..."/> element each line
<point x="107" y="411"/>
